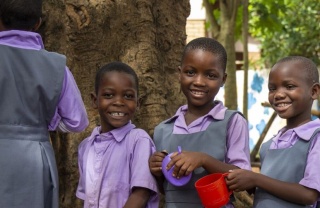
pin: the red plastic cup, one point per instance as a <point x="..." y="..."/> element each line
<point x="213" y="191"/>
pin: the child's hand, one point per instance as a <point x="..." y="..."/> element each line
<point x="240" y="180"/>
<point x="185" y="162"/>
<point x="155" y="162"/>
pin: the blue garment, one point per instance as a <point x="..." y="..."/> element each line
<point x="273" y="161"/>
<point x="30" y="90"/>
<point x="214" y="139"/>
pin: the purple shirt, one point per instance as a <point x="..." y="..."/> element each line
<point x="238" y="152"/>
<point x="70" y="114"/>
<point x="286" y="139"/>
<point x="111" y="164"/>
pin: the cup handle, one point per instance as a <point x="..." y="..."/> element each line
<point x="225" y="175"/>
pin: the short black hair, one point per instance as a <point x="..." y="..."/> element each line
<point x="20" y="14"/>
<point x="309" y="67"/>
<point x="207" y="44"/>
<point x="116" y="66"/>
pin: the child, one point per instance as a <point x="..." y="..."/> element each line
<point x="290" y="161"/>
<point x="38" y="94"/>
<point x="213" y="139"/>
<point x="113" y="161"/>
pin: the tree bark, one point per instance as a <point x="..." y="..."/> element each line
<point x="149" y="35"/>
<point x="226" y="37"/>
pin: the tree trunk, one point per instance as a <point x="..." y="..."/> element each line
<point x="245" y="34"/>
<point x="223" y="30"/>
<point x="226" y="37"/>
<point x="149" y="35"/>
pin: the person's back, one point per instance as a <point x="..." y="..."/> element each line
<point x="36" y="88"/>
<point x="31" y="85"/>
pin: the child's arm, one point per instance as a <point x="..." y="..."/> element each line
<point x="70" y="115"/>
<point x="237" y="154"/>
<point x="186" y="162"/>
<point x="138" y="198"/>
<point x="155" y="166"/>
<point x="238" y="151"/>
<point x="239" y="180"/>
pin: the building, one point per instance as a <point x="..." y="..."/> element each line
<point x="196" y="27"/>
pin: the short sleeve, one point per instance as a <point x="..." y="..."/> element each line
<point x="238" y="151"/>
<point x="70" y="114"/>
<point x="141" y="175"/>
<point x="311" y="177"/>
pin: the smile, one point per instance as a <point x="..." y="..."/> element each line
<point x="117" y="114"/>
<point x="197" y="92"/>
<point x="281" y="105"/>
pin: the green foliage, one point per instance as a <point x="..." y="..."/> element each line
<point x="286" y="27"/>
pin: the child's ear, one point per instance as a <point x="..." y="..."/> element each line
<point x="139" y="102"/>
<point x="224" y="79"/>
<point x="94" y="100"/>
<point x="179" y="73"/>
<point x="315" y="91"/>
<point x="37" y="25"/>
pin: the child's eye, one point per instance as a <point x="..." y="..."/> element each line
<point x="290" y="87"/>
<point x="190" y="72"/>
<point x="129" y="96"/>
<point x="107" y="95"/>
<point x="212" y="76"/>
<point x="271" y="89"/>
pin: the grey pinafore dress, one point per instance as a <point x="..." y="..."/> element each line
<point x="273" y="161"/>
<point x="30" y="87"/>
<point x="212" y="141"/>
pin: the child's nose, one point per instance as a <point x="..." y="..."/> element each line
<point x="279" y="94"/>
<point x="118" y="101"/>
<point x="199" y="80"/>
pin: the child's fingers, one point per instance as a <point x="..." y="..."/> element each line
<point x="156" y="171"/>
<point x="164" y="152"/>
<point x="157" y="157"/>
<point x="178" y="171"/>
<point x="173" y="162"/>
<point x="231" y="175"/>
<point x="170" y="164"/>
<point x="180" y="168"/>
<point x="174" y="154"/>
<point x="189" y="170"/>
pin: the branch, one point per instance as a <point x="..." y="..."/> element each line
<point x="229" y="8"/>
<point x="234" y="6"/>
<point x="215" y="27"/>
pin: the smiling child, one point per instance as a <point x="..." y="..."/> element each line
<point x="113" y="161"/>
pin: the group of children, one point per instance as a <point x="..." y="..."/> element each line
<point x="119" y="164"/>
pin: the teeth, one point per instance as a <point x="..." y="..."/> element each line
<point x="282" y="104"/>
<point x="117" y="114"/>
<point x="198" y="93"/>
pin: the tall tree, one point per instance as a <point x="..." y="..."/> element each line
<point x="149" y="35"/>
<point x="224" y="31"/>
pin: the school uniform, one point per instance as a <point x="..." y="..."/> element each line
<point x="292" y="156"/>
<point x="221" y="133"/>
<point x="32" y="82"/>
<point x="111" y="164"/>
